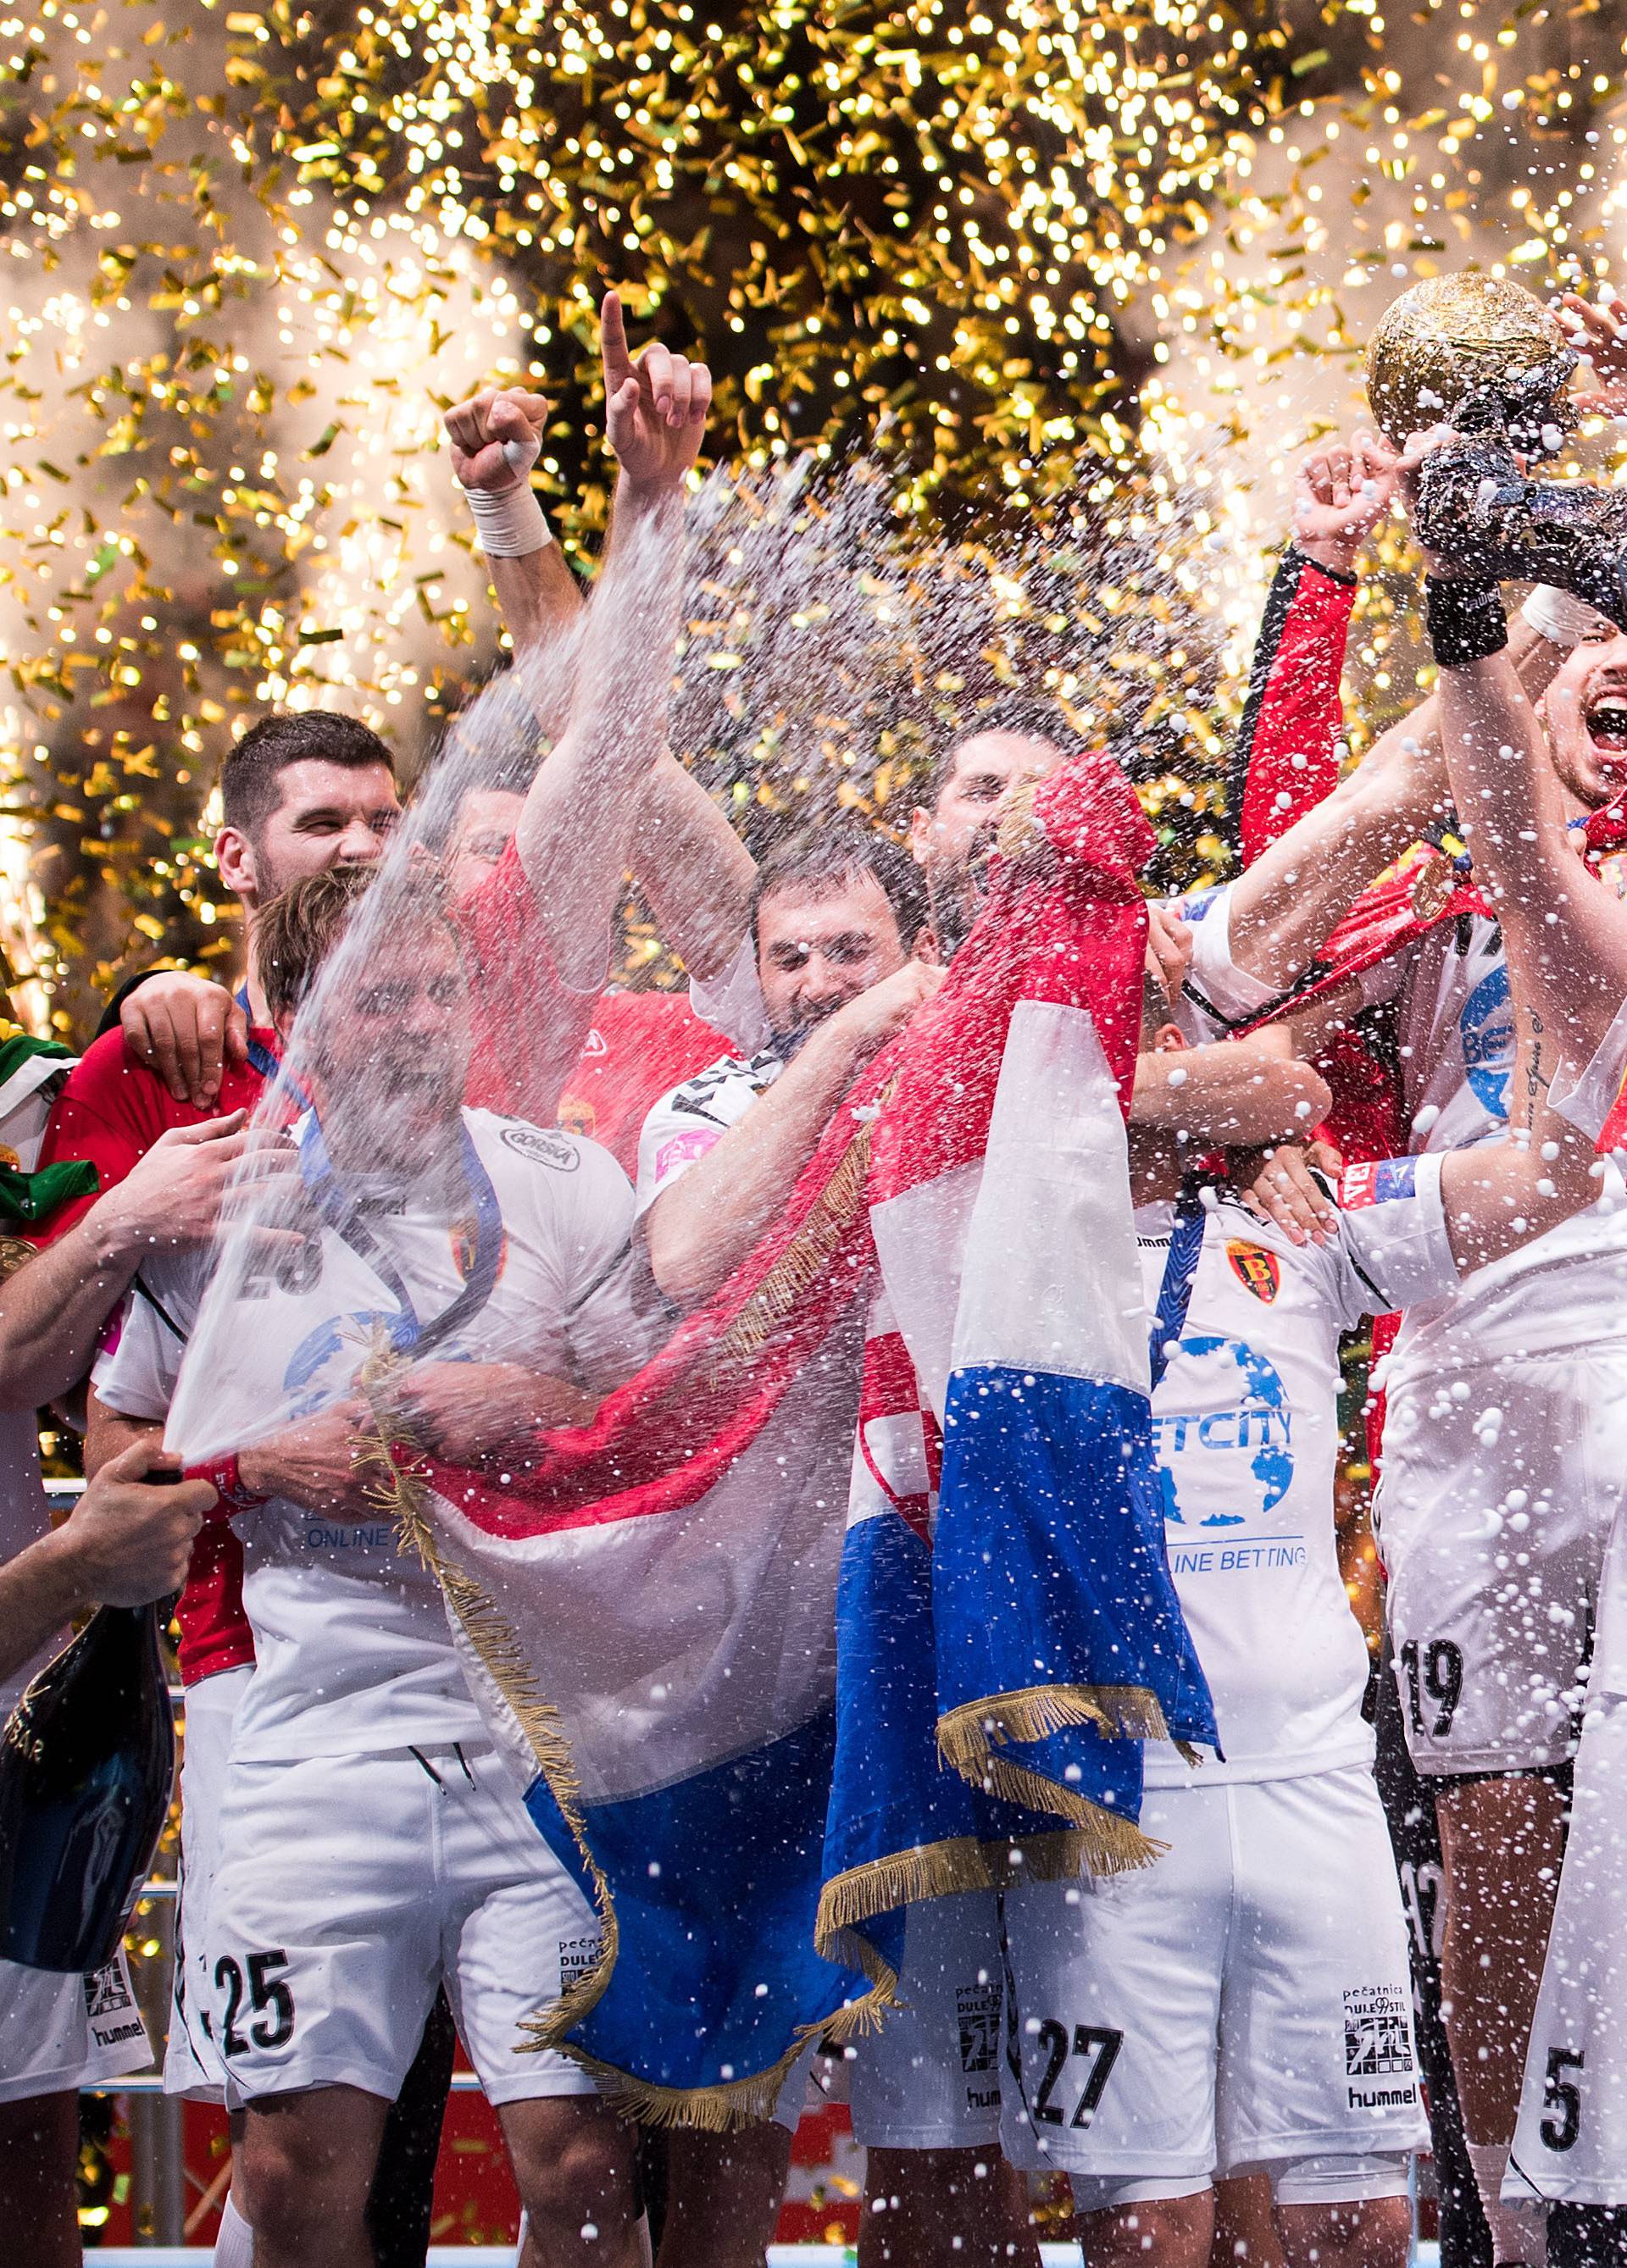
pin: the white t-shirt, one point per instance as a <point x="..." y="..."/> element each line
<point x="1455" y="1043"/>
<point x="25" y="1107"/>
<point x="353" y="1650"/>
<point x="685" y="1124"/>
<point x="1244" y="1423"/>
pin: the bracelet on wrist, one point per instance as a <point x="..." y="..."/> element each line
<point x="225" y="1476"/>
<point x="1465" y="619"/>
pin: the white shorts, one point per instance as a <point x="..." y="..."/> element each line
<point x="1499" y="1490"/>
<point x="930" y="2078"/>
<point x="191" y="2066"/>
<point x="58" y="2034"/>
<point x="1571" y="2143"/>
<point x="350" y="1887"/>
<point x="1245" y="2000"/>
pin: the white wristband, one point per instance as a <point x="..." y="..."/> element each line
<point x="1560" y="617"/>
<point x="510" y="522"/>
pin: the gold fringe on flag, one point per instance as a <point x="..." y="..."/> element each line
<point x="808" y="1255"/>
<point x="968" y="1735"/>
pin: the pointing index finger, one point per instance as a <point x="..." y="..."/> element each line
<point x="612" y="343"/>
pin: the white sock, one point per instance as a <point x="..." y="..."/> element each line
<point x="234" y="2247"/>
<point x="1518" y="2231"/>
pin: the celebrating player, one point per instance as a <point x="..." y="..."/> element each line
<point x="369" y="1843"/>
<point x="1511" y="766"/>
<point x="1489" y="1620"/>
<point x="1246" y="2005"/>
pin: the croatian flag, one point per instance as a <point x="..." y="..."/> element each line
<point x="751" y="1727"/>
<point x="1008" y="1632"/>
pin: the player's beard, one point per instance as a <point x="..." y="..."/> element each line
<point x="955" y="892"/>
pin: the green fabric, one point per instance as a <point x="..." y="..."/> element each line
<point x="16" y="1051"/>
<point x="25" y="1198"/>
<point x="28" y="1197"/>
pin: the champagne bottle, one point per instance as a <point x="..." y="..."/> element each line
<point x="86" y="1760"/>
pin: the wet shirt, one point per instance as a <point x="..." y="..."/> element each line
<point x="695" y="1117"/>
<point x="352" y="1649"/>
<point x="1456" y="1046"/>
<point x="1244" y="1424"/>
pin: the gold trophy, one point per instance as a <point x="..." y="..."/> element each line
<point x="1484" y="357"/>
<point x="1472" y="351"/>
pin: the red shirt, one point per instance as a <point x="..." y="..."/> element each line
<point x="528" y="1024"/>
<point x="112" y="1109"/>
<point x="640" y="1047"/>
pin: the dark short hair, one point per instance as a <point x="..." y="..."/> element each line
<point x="821" y="860"/>
<point x="1029" y="721"/>
<point x="249" y="779"/>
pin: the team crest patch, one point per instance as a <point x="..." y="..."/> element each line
<point x="1257" y="1269"/>
<point x="105" y="1992"/>
<point x="577" y="1115"/>
<point x="541" y="1147"/>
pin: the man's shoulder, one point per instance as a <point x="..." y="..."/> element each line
<point x="109" y="1080"/>
<point x="719" y="1090"/>
<point x="515" y="1146"/>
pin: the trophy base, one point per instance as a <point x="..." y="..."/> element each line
<point x="1478" y="512"/>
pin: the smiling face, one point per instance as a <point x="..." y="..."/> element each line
<point x="1584" y="711"/>
<point x="326" y="814"/>
<point x="817" y="949"/>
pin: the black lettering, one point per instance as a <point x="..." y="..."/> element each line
<point x="229" y="1979"/>
<point x="1562" y="2100"/>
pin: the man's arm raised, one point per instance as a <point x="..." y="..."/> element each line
<point x="577" y="832"/>
<point x="497" y="438"/>
<point x="1285" y="904"/>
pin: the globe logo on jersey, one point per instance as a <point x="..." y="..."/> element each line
<point x="1232" y="1447"/>
<point x="1486" y="1028"/>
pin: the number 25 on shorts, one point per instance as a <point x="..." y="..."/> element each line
<point x="271" y="1998"/>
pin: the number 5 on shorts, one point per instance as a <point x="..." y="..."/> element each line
<point x="1562" y="2100"/>
<point x="1090" y="2040"/>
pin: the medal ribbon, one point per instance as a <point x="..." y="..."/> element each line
<point x="407" y="1331"/>
<point x="1175" y="1293"/>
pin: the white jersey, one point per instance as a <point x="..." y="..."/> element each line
<point x="1244" y="1423"/>
<point x="25" y="1108"/>
<point x="695" y="1117"/>
<point x="1455" y="1046"/>
<point x="352" y="1649"/>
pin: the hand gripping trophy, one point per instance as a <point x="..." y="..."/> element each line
<point x="1484" y="355"/>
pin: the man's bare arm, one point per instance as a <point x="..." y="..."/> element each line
<point x="1286" y="904"/>
<point x="576" y="830"/>
<point x="496" y="438"/>
<point x="1564" y="931"/>
<point x="694" y="869"/>
<point x="53" y="1310"/>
